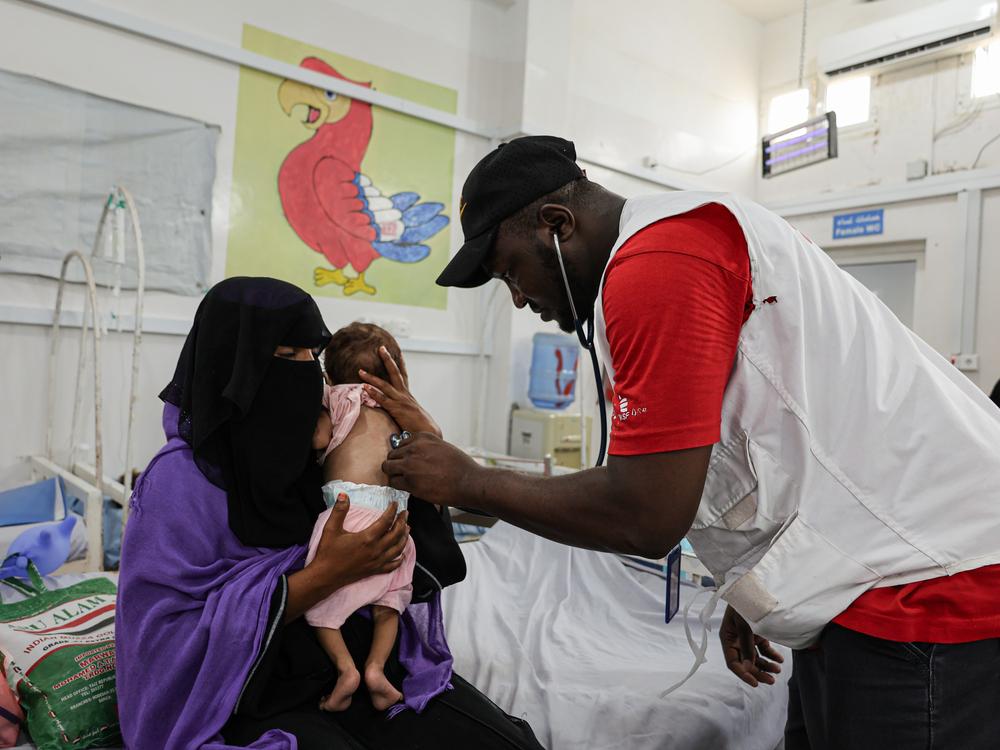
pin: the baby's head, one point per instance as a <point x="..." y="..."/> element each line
<point x="355" y="347"/>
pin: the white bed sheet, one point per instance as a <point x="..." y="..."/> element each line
<point x="574" y="642"/>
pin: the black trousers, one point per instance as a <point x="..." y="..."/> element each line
<point x="855" y="692"/>
<point x="295" y="673"/>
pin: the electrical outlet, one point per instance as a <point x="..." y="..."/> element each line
<point x="916" y="170"/>
<point x="966" y="362"/>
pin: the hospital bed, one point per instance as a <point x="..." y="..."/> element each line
<point x="82" y="487"/>
<point x="575" y="642"/>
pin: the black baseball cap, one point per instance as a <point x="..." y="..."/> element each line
<point x="506" y="180"/>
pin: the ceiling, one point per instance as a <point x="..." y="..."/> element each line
<point x="768" y="10"/>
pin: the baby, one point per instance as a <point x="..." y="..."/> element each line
<point x="353" y="441"/>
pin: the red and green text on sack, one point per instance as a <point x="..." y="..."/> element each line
<point x="59" y="656"/>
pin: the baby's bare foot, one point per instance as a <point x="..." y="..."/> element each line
<point x="383" y="694"/>
<point x="339" y="698"/>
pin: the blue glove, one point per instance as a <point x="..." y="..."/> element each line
<point x="46" y="545"/>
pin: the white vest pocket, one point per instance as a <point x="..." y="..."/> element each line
<point x="746" y="500"/>
<point x="789" y="594"/>
<point x="723" y="530"/>
<point x="730" y="486"/>
<point x="777" y="493"/>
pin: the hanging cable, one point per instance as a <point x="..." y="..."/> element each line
<point x="717" y="167"/>
<point x="986" y="145"/>
<point x="959" y="123"/>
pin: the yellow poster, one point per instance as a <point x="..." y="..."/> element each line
<point x="332" y="194"/>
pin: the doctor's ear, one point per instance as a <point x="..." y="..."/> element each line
<point x="558" y="220"/>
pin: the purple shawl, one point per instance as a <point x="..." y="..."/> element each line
<point x="193" y="611"/>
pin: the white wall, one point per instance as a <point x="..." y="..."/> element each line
<point x="909" y="106"/>
<point x="688" y="98"/>
<point x="925" y="229"/>
<point x="670" y="79"/>
<point x="988" y="336"/>
<point x="918" y="112"/>
<point x="469" y="45"/>
<point x="664" y="78"/>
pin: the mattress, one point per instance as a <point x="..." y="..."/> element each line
<point x="575" y="643"/>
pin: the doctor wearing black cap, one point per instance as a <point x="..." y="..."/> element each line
<point x="764" y="408"/>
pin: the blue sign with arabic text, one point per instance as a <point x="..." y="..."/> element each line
<point x="858" y="224"/>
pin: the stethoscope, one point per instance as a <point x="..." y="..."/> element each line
<point x="587" y="342"/>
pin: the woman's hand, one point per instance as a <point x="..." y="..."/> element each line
<point x="347" y="557"/>
<point x="395" y="397"/>
<point x="343" y="557"/>
<point x="751" y="658"/>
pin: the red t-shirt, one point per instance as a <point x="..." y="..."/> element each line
<point x="675" y="298"/>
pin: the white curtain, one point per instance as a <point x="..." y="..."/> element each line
<point x="61" y="151"/>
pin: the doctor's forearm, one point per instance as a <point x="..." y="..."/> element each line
<point x="639" y="504"/>
<point x="586" y="509"/>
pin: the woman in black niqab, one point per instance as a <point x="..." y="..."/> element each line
<point x="250" y="415"/>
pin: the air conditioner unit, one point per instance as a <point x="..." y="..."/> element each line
<point x="937" y="30"/>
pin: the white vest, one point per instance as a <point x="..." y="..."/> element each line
<point x="852" y="454"/>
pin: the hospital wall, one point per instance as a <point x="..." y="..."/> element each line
<point x="466" y="45"/>
<point x="923" y="111"/>
<point x="669" y="80"/>
<point x="910" y="105"/>
<point x="688" y="105"/>
<point x="631" y="81"/>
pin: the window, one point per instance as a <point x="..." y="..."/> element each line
<point x="986" y="71"/>
<point x="850" y="98"/>
<point x="788" y="109"/>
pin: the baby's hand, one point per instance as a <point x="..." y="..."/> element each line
<point x="324" y="431"/>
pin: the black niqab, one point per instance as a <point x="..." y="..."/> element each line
<point x="250" y="416"/>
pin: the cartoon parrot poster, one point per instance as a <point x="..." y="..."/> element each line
<point x="336" y="195"/>
<point x="331" y="204"/>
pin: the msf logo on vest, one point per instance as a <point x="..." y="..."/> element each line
<point x="628" y="408"/>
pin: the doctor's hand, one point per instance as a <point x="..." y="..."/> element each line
<point x="426" y="466"/>
<point x="751" y="658"/>
<point x="394" y="396"/>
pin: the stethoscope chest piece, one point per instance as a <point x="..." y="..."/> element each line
<point x="396" y="440"/>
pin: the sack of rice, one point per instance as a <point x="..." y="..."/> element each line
<point x="58" y="650"/>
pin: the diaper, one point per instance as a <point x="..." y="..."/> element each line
<point x="370" y="496"/>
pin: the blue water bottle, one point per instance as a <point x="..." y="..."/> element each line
<point x="553" y="370"/>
